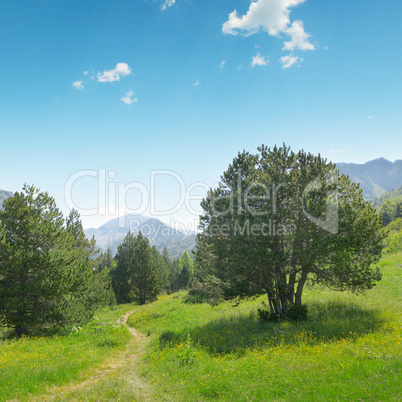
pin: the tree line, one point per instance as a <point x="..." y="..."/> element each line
<point x="279" y="220"/>
<point x="52" y="276"/>
<point x="139" y="272"/>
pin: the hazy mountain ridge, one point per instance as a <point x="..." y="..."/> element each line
<point x="376" y="177"/>
<point x="3" y="195"/>
<point x="395" y="194"/>
<point x="113" y="232"/>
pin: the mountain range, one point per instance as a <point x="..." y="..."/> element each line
<point x="376" y="177"/>
<point x="112" y="233"/>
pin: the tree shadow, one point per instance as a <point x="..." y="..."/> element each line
<point x="327" y="322"/>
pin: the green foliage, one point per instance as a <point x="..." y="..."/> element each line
<point x="392" y="195"/>
<point x="391" y="210"/>
<point x="105" y="261"/>
<point x="169" y="338"/>
<point x="144" y="281"/>
<point x="121" y="271"/>
<point x="162" y="269"/>
<point x="209" y="291"/>
<point x="31" y="366"/>
<point x="136" y="276"/>
<point x="279" y="218"/>
<point x="186" y="275"/>
<point x="393" y="243"/>
<point x="395" y="226"/>
<point x="47" y="274"/>
<point x="174" y="275"/>
<point x="239" y="358"/>
<point x="295" y="312"/>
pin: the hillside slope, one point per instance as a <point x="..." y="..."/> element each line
<point x="376" y="177"/>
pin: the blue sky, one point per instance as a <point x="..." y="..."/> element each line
<point x="135" y="86"/>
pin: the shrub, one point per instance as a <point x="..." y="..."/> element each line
<point x="168" y="338"/>
<point x="205" y="293"/>
<point x="296" y="312"/>
<point x="266" y="316"/>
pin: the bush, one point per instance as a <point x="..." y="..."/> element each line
<point x="266" y="316"/>
<point x="295" y="312"/>
<point x="394" y="243"/>
<point x="205" y="293"/>
<point x="169" y="338"/>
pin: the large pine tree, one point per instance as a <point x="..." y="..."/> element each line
<point x="279" y="218"/>
<point x="46" y="265"/>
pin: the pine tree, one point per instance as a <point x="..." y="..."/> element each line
<point x="279" y="218"/>
<point x="162" y="269"/>
<point x="45" y="265"/>
<point x="144" y="281"/>
<point x="121" y="272"/>
<point x="105" y="261"/>
<point x="186" y="271"/>
<point x="174" y="276"/>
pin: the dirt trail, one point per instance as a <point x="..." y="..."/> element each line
<point x="120" y="367"/>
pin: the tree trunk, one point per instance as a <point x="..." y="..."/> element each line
<point x="277" y="305"/>
<point x="271" y="306"/>
<point x="300" y="286"/>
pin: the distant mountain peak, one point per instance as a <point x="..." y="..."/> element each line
<point x="112" y="233"/>
<point x="376" y="177"/>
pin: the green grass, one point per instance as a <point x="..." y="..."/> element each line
<point x="350" y="348"/>
<point x="30" y="366"/>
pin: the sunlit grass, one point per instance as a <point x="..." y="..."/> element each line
<point x="29" y="366"/>
<point x="350" y="348"/>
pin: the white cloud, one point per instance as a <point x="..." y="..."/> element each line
<point x="167" y="4"/>
<point x="259" y="60"/>
<point x="85" y="72"/>
<point x="338" y="151"/>
<point x="271" y="16"/>
<point x="128" y="99"/>
<point x="289" y="60"/>
<point x="370" y="117"/>
<point x="222" y="64"/>
<point x="326" y="48"/>
<point x="299" y="38"/>
<point x="121" y="70"/>
<point x="196" y="83"/>
<point x="78" y="85"/>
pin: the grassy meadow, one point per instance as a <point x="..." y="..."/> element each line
<point x="349" y="349"/>
<point x="30" y="366"/>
